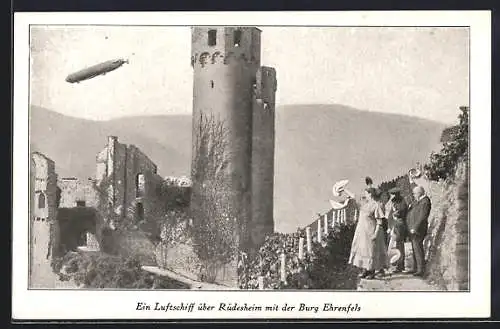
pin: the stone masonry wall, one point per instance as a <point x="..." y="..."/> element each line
<point x="44" y="231"/>
<point x="73" y="190"/>
<point x="447" y="243"/>
<point x="263" y="155"/>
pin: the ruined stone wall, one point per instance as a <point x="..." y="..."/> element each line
<point x="119" y="173"/>
<point x="133" y="189"/>
<point x="142" y="186"/>
<point x="44" y="230"/>
<point x="118" y="169"/>
<point x="101" y="166"/>
<point x="447" y="244"/>
<point x="73" y="190"/>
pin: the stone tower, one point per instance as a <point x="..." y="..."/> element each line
<point x="263" y="155"/>
<point x="230" y="85"/>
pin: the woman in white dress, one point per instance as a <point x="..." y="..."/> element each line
<point x="368" y="250"/>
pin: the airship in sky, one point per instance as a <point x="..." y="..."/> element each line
<point x="93" y="71"/>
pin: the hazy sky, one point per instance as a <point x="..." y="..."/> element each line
<point x="415" y="71"/>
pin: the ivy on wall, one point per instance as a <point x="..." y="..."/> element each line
<point x="215" y="225"/>
<point x="442" y="165"/>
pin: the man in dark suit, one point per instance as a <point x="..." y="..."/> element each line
<point x="417" y="221"/>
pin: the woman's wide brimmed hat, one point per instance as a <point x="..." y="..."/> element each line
<point x="339" y="187"/>
<point x="394" y="255"/>
<point x="414" y="173"/>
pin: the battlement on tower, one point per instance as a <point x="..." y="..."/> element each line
<point x="225" y="45"/>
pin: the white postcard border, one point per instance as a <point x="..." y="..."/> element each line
<point x="81" y="304"/>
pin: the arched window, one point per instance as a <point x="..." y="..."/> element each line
<point x="212" y="37"/>
<point x="41" y="200"/>
<point x="139" y="186"/>
<point x="139" y="212"/>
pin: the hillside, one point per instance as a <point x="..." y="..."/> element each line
<point x="315" y="146"/>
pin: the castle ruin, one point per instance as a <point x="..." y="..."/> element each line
<point x="230" y="86"/>
<point x="128" y="182"/>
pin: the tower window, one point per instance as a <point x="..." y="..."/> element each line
<point x="237" y="38"/>
<point x="41" y="200"/>
<point x="212" y="84"/>
<point x="139" y="212"/>
<point x="212" y="37"/>
<point x="139" y="186"/>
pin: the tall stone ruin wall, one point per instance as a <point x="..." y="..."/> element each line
<point x="447" y="243"/>
<point x="44" y="233"/>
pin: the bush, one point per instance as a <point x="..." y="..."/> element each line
<point x="101" y="271"/>
<point x="443" y="164"/>
<point x="326" y="268"/>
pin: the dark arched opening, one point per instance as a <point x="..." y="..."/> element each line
<point x="237" y="38"/>
<point x="41" y="200"/>
<point x="139" y="212"/>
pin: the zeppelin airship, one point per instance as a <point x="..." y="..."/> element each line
<point x="93" y="71"/>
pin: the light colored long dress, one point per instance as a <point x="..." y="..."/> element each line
<point x="367" y="253"/>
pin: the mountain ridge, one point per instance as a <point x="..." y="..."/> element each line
<point x="315" y="146"/>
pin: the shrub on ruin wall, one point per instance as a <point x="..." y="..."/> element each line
<point x="442" y="165"/>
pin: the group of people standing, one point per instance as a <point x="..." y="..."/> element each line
<point x="384" y="227"/>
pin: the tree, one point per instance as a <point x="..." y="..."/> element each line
<point x="443" y="164"/>
<point x="215" y="225"/>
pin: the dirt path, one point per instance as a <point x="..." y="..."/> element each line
<point x="396" y="282"/>
<point x="399" y="282"/>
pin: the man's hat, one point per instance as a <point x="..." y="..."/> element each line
<point x="395" y="190"/>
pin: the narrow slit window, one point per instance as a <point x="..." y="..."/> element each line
<point x="41" y="201"/>
<point x="212" y="84"/>
<point x="237" y="38"/>
<point x="139" y="186"/>
<point x="212" y="37"/>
